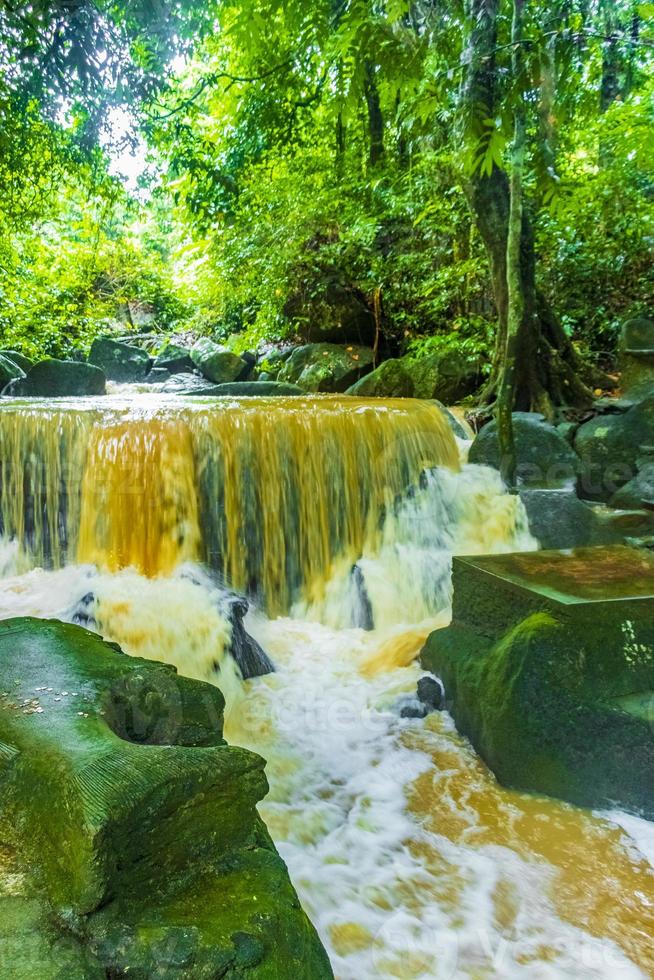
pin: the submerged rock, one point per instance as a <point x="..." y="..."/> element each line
<point x="362" y="614"/>
<point x="326" y="367"/>
<point x="545" y="459"/>
<point x="137" y="822"/>
<point x="59" y="379"/>
<point x="389" y="380"/>
<point x="251" y="659"/>
<point x="119" y="361"/>
<point x="218" y="364"/>
<point x="254" y="389"/>
<point x="549" y="669"/>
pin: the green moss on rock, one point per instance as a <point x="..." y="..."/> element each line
<point x="545" y="687"/>
<point x="135" y="822"/>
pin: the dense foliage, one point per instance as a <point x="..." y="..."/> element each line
<point x="299" y="145"/>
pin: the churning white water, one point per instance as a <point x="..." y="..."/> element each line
<point x="409" y="858"/>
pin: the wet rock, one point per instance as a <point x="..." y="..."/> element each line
<point x="23" y="362"/>
<point x="326" y="367"/>
<point x="122" y="799"/>
<point x="174" y="359"/>
<point x="362" y="614"/>
<point x="545" y="459"/>
<point x="120" y="362"/>
<point x="447" y="376"/>
<point x="9" y="371"/>
<point x="430" y="693"/>
<point x="187" y="384"/>
<point x="639" y="492"/>
<point x="59" y="379"/>
<point x="216" y="363"/>
<point x="157" y="376"/>
<point x="549" y="670"/>
<point x="609" y="447"/>
<point x="250" y="657"/>
<point x="389" y="380"/>
<point x="255" y="389"/>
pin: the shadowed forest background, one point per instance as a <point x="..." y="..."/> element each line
<point x="303" y="166"/>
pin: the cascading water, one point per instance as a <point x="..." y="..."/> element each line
<point x="334" y="515"/>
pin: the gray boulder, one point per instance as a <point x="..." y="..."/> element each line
<point x="609" y="447"/>
<point x="544" y="457"/>
<point x="120" y="362"/>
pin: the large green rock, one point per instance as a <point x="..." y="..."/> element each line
<point x="389" y="380"/>
<point x="610" y="446"/>
<point x="545" y="458"/>
<point x="326" y="367"/>
<point x="447" y="376"/>
<point x="59" y="379"/>
<point x="548" y="667"/>
<point x="136" y="822"/>
<point x="119" y="361"/>
<point x="217" y="363"/>
<point x="9" y="371"/>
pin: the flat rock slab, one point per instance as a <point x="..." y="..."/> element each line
<point x="548" y="667"/>
<point x="111" y="764"/>
<point x="135" y="825"/>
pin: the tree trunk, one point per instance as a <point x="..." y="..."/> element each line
<point x="375" y="117"/>
<point x="546" y="368"/>
<point x="516" y="311"/>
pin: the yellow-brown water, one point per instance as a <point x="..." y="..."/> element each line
<point x="268" y="491"/>
<point x="408" y="856"/>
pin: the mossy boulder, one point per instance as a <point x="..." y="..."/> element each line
<point x="137" y="824"/>
<point x="218" y="364"/>
<point x="545" y="458"/>
<point x="447" y="376"/>
<point x="59" y="379"/>
<point x="174" y="358"/>
<point x="119" y="361"/>
<point x="326" y="367"/>
<point x="9" y="371"/>
<point x="389" y="380"/>
<point x="610" y="446"/>
<point x="548" y="668"/>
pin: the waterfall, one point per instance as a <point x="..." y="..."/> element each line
<point x="268" y="492"/>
